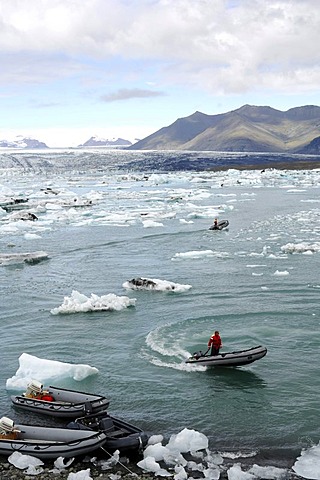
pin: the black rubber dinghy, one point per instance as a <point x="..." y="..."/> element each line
<point x="220" y="225"/>
<point x="229" y="359"/>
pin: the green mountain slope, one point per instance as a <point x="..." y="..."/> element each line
<point x="249" y="128"/>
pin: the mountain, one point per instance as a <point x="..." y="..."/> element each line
<point x="247" y="129"/>
<point x="22" y="142"/>
<point x="103" y="142"/>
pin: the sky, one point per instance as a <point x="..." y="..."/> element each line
<point x="73" y="69"/>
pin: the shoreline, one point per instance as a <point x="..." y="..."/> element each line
<point x="299" y="165"/>
<point x="127" y="469"/>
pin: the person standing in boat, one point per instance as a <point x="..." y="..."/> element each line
<point x="215" y="223"/>
<point x="215" y="343"/>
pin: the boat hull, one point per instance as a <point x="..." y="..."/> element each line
<point x="229" y="359"/>
<point x="49" y="442"/>
<point x="120" y="435"/>
<point x="66" y="404"/>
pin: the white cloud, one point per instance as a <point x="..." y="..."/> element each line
<point x="237" y="46"/>
<point x="126" y="94"/>
<point x="141" y="64"/>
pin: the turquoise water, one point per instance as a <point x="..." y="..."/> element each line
<point x="249" y="288"/>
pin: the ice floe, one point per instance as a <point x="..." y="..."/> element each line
<point x="78" y="302"/>
<point x="142" y="283"/>
<point x="31" y="367"/>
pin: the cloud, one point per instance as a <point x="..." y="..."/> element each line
<point x="221" y="47"/>
<point x="127" y="94"/>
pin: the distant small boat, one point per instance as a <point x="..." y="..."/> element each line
<point x="220" y="225"/>
<point x="47" y="442"/>
<point x="120" y="435"/>
<point x="58" y="402"/>
<point x="14" y="204"/>
<point x="229" y="359"/>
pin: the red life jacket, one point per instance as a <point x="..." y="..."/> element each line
<point x="215" y="340"/>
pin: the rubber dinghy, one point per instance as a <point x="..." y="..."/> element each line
<point x="220" y="225"/>
<point x="58" y="402"/>
<point x="47" y="442"/>
<point x="120" y="435"/>
<point x="229" y="359"/>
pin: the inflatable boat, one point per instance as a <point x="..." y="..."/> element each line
<point x="120" y="435"/>
<point x="220" y="225"/>
<point x="47" y="442"/>
<point x="229" y="359"/>
<point x="58" y="402"/>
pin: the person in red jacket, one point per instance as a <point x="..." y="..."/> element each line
<point x="215" y="343"/>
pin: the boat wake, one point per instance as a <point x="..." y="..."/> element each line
<point x="165" y="351"/>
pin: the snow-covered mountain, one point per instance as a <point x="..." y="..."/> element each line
<point x="22" y="142"/>
<point x="96" y="141"/>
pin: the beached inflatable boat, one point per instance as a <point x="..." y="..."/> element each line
<point x="120" y="435"/>
<point x="47" y="442"/>
<point x="58" y="402"/>
<point x="229" y="359"/>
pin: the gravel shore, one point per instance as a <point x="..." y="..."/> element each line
<point x="126" y="470"/>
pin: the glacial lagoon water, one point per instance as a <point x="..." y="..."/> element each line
<point x="257" y="282"/>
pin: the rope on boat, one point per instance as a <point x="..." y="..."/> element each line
<point x="122" y="464"/>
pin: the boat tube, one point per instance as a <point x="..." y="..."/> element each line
<point x="59" y="402"/>
<point x="229" y="359"/>
<point x="47" y="442"/>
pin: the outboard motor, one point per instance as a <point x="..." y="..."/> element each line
<point x="198" y="355"/>
<point x="34" y="388"/>
<point x="7" y="430"/>
<point x="6" y="425"/>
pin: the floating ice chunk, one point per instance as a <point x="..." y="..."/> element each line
<point x="235" y="473"/>
<point x="141" y="283"/>
<point x="268" y="472"/>
<point x="195" y="254"/>
<point x="155" y="439"/>
<point x="308" y="464"/>
<point x="234" y="455"/>
<point x="301" y="247"/>
<point x="151" y="224"/>
<point x="78" y="302"/>
<point x="31" y="367"/>
<point x="215" y="458"/>
<point x="278" y="273"/>
<point x="17" y="258"/>
<point x="31" y="236"/>
<point x="188" y="441"/>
